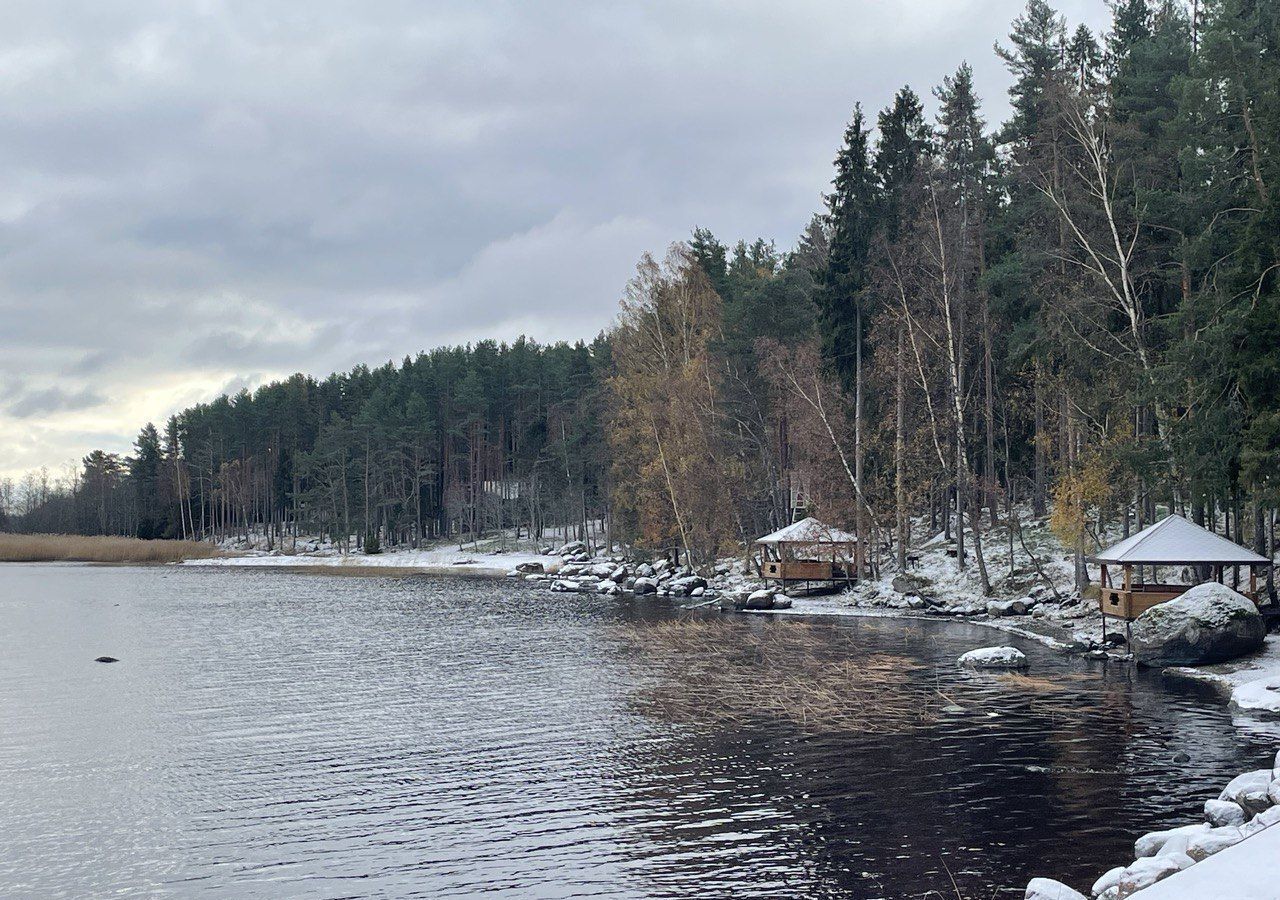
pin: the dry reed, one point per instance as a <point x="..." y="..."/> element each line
<point x="97" y="548"/>
<point x="816" y="678"/>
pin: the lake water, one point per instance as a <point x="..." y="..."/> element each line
<point x="273" y="734"/>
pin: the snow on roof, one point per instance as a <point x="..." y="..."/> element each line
<point x="1174" y="540"/>
<point x="808" y="531"/>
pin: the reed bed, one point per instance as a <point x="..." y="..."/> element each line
<point x="720" y="674"/>
<point x="97" y="548"/>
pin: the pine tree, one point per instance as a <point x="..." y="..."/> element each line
<point x="851" y="213"/>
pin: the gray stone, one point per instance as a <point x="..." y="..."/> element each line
<point x="1209" y="623"/>
<point x="645" y="586"/>
<point x="907" y="583"/>
<point x="530" y="568"/>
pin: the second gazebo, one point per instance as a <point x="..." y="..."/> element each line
<point x="1172" y="541"/>
<point x="808" y="551"/>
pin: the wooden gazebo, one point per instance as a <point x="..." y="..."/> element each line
<point x="1172" y="541"/>
<point x="808" y="550"/>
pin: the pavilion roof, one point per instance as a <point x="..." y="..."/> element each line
<point x="1175" y="541"/>
<point x="808" y="531"/>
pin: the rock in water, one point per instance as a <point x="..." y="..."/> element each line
<point x="994" y="658"/>
<point x="1209" y="623"/>
<point x="106" y="659"/>
<point x="1048" y="889"/>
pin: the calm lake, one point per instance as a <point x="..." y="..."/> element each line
<point x="272" y="734"/>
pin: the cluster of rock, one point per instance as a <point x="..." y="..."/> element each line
<point x="1248" y="804"/>
<point x="580" y="571"/>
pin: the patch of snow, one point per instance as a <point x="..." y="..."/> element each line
<point x="1261" y="695"/>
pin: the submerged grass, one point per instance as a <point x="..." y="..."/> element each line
<point x="97" y="548"/>
<point x="716" y="674"/>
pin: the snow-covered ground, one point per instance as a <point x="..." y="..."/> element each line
<point x="434" y="559"/>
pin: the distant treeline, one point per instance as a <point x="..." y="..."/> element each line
<point x="1078" y="309"/>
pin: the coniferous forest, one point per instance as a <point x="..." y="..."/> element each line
<point x="1076" y="311"/>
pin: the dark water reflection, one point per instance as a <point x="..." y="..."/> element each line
<point x="284" y="735"/>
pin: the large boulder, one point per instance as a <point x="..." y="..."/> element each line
<point x="994" y="658"/>
<point x="645" y="586"/>
<point x="1209" y="623"/>
<point x="530" y="568"/>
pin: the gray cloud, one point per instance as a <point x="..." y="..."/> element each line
<point x="194" y="191"/>
<point x="53" y="400"/>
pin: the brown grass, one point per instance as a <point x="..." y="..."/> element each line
<point x="723" y="674"/>
<point x="81" y="548"/>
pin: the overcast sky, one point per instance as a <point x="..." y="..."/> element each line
<point x="200" y="196"/>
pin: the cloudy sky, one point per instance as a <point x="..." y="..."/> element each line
<point x="198" y="196"/>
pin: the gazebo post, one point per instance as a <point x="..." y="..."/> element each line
<point x="1253" y="583"/>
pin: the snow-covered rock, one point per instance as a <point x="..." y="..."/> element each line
<point x="1264" y="819"/>
<point x="620" y="574"/>
<point x="564" y="585"/>
<point x="1210" y="842"/>
<point x="1249" y="791"/>
<point x="683" y="585"/>
<point x="1048" y="889"/>
<point x="1108" y="881"/>
<point x="608" y="588"/>
<point x="1259" y="696"/>
<point x="761" y="599"/>
<point x="994" y="658"/>
<point x="1151" y="844"/>
<point x="530" y="568"/>
<point x="1209" y="623"/>
<point x="1147" y="871"/>
<point x="1224" y="812"/>
<point x="645" y="586"/>
<point x="998" y="608"/>
<point x="644" y="570"/>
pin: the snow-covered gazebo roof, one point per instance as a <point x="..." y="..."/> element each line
<point x="808" y="531"/>
<point x="1175" y="541"/>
